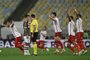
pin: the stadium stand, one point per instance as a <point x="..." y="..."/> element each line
<point x="7" y="7"/>
<point x="43" y="8"/>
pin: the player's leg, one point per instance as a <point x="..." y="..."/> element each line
<point x="18" y="43"/>
<point x="83" y="47"/>
<point x="69" y="44"/>
<point x="26" y="45"/>
<point x="56" y="45"/>
<point x="38" y="44"/>
<point x="35" y="43"/>
<point x="79" y="40"/>
<point x="71" y="48"/>
<point x="41" y="44"/>
<point x="77" y="47"/>
<point x="81" y="43"/>
<point x="35" y="48"/>
<point x="60" y="43"/>
<point x="72" y="40"/>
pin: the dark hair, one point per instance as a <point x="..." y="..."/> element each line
<point x="33" y="15"/>
<point x="79" y="15"/>
<point x="54" y="13"/>
<point x="5" y="22"/>
<point x="45" y="27"/>
<point x="71" y="17"/>
<point x="26" y="16"/>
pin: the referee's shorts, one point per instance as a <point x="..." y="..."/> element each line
<point x="34" y="38"/>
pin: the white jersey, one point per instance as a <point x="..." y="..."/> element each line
<point x="56" y="25"/>
<point x="79" y="25"/>
<point x="43" y="35"/>
<point x="14" y="31"/>
<point x="71" y="26"/>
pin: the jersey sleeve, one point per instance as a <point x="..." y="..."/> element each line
<point x="69" y="28"/>
<point x="34" y="22"/>
<point x="77" y="24"/>
<point x="55" y="19"/>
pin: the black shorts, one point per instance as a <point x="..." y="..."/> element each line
<point x="34" y="38"/>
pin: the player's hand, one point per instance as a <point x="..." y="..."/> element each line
<point x="49" y="16"/>
<point x="75" y="10"/>
<point x="75" y="40"/>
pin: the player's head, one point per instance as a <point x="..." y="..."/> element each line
<point x="7" y="23"/>
<point x="53" y="14"/>
<point x="33" y="16"/>
<point x="26" y="17"/>
<point x="70" y="18"/>
<point x="44" y="28"/>
<point x="79" y="16"/>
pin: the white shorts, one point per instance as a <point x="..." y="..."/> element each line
<point x="26" y="39"/>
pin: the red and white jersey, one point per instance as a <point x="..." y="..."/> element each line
<point x="43" y="35"/>
<point x="79" y="25"/>
<point x="71" y="26"/>
<point x="56" y="25"/>
<point x="14" y="31"/>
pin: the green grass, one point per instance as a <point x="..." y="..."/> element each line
<point x="15" y="54"/>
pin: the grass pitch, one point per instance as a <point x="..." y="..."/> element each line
<point x="15" y="54"/>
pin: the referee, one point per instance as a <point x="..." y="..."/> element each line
<point x="34" y="33"/>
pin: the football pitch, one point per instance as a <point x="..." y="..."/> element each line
<point x="15" y="54"/>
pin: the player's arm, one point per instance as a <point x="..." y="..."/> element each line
<point x="51" y="18"/>
<point x="77" y="12"/>
<point x="24" y="23"/>
<point x="44" y="35"/>
<point x="69" y="29"/>
<point x="12" y="25"/>
<point x="40" y="33"/>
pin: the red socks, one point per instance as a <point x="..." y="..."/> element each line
<point x="59" y="43"/>
<point x="41" y="44"/>
<point x="77" y="47"/>
<point x="41" y="47"/>
<point x="71" y="48"/>
<point x="20" y="46"/>
<point x="82" y="46"/>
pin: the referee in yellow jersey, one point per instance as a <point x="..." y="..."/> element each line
<point x="34" y="33"/>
